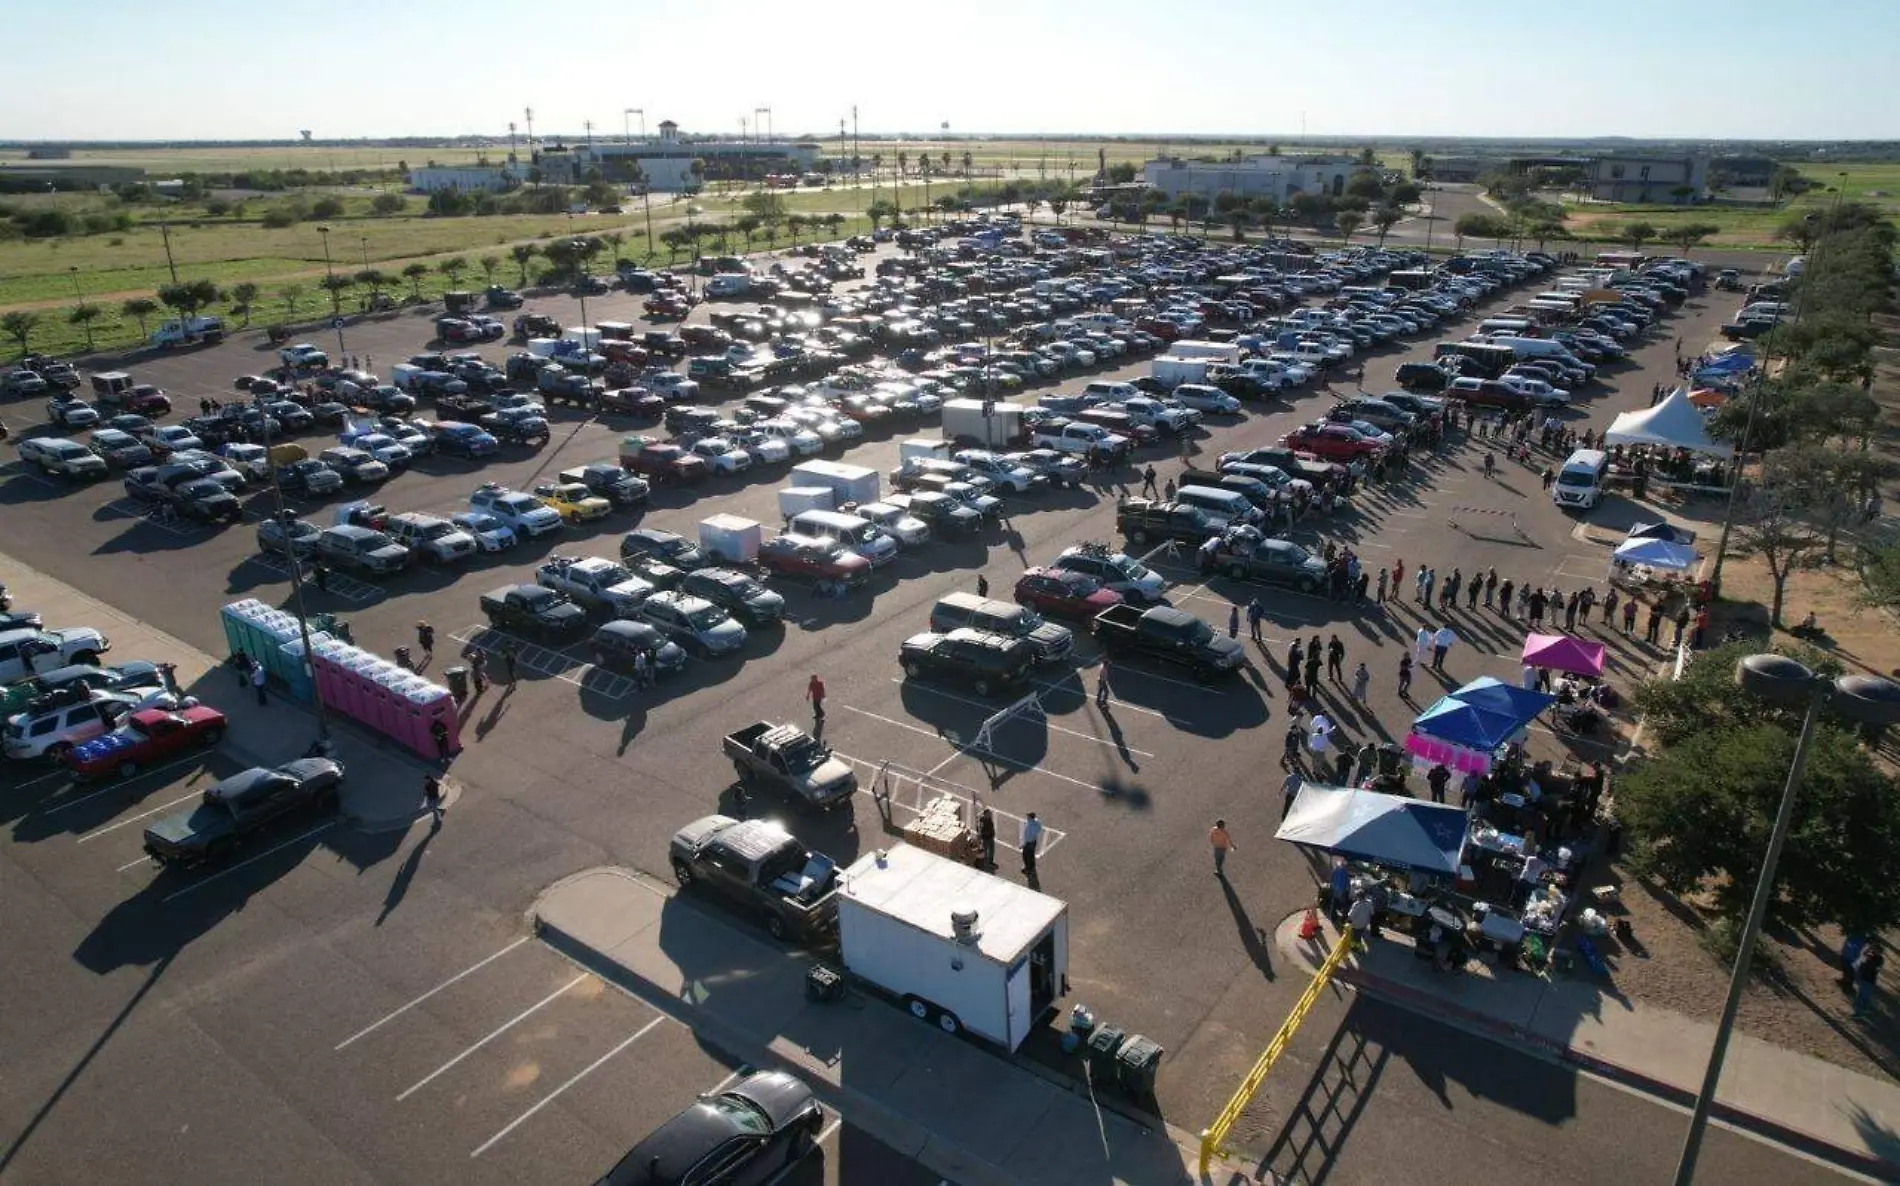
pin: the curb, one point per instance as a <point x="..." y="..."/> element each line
<point x="1539" y="1046"/>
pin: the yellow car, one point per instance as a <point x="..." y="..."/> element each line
<point x="573" y="501"/>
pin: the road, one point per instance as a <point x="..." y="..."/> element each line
<point x="253" y="981"/>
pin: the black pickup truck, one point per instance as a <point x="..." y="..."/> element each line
<point x="1170" y="636"/>
<point x="1141" y="520"/>
<point x="789" y="762"/>
<point x="535" y="610"/>
<point x="232" y="809"/>
<point x="469" y="409"/>
<point x="762" y="871"/>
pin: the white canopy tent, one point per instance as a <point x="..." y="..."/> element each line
<point x="1675" y="423"/>
<point x="1388" y="829"/>
<point x="1653" y="553"/>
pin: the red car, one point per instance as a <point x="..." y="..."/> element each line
<point x="147" y="736"/>
<point x="1333" y="442"/>
<point x="807" y="558"/>
<point x="1160" y="327"/>
<point x="1061" y="593"/>
<point x="659" y="461"/>
<point x="666" y="305"/>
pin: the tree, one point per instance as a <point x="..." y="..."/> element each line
<point x="243" y="299"/>
<point x="1472" y="226"/>
<point x="453" y="267"/>
<point x="747" y="225"/>
<point x="140" y="309"/>
<point x="336" y="285"/>
<point x="1239" y="218"/>
<point x="1771" y="522"/>
<point x="19" y="325"/>
<point x="795" y="224"/>
<point x="413" y="272"/>
<point x="1385" y="218"/>
<point x="373" y="279"/>
<point x="327" y="206"/>
<point x="1689" y="235"/>
<point x="387" y="204"/>
<point x="1698" y="816"/>
<point x="903" y="163"/>
<point x="674" y="240"/>
<point x="188" y="297"/>
<point x="1638" y="233"/>
<point x="879" y="210"/>
<point x="522" y="253"/>
<point x="290" y="294"/>
<point x="489" y="264"/>
<point x="968" y="164"/>
<point x="1366" y="184"/>
<point x="1058" y="202"/>
<point x="833" y="221"/>
<point x="1347" y="221"/>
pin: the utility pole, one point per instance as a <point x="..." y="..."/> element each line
<point x="587" y="125"/>
<point x="857" y="145"/>
<point x="528" y="114"/>
<point x="284" y="520"/>
<point x="626" y="126"/>
<point x="165" y="233"/>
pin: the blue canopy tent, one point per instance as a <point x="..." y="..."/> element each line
<point x="1388" y="829"/>
<point x="1494" y="695"/>
<point x="1465" y="728"/>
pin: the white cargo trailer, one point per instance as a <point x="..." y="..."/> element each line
<point x="954" y="945"/>
<point x="1226" y="352"/>
<point x="730" y="539"/>
<point x="1174" y="371"/>
<point x="851" y="483"/>
<point x="796" y="500"/>
<point x="965" y="424"/>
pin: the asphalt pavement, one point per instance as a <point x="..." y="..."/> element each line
<point x="251" y="983"/>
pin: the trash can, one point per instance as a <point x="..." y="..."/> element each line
<point x="1138" y="1063"/>
<point x="458" y="682"/>
<point x="1104" y="1044"/>
<point x="1391" y="759"/>
<point x="824" y="983"/>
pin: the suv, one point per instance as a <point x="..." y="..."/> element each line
<point x="1051" y="642"/>
<point x="361" y="549"/>
<point x="986" y="662"/>
<point x="434" y="539"/>
<point x="740" y="595"/>
<point x="660" y="544"/>
<point x="699" y="626"/>
<point x="61" y="457"/>
<point x="1142" y="519"/>
<point x="525" y="513"/>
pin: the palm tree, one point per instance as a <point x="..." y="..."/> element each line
<point x="1238" y="218"/>
<point x="290" y="294"/>
<point x="522" y="253"/>
<point x="794" y="224"/>
<point x="903" y="163"/>
<point x="489" y="264"/>
<point x="19" y="325"/>
<point x="968" y="163"/>
<point x="83" y="315"/>
<point x="140" y="309"/>
<point x="243" y="297"/>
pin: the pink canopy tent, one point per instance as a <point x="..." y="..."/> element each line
<point x="1560" y="652"/>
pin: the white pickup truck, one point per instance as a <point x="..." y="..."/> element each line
<point x="1076" y="436"/>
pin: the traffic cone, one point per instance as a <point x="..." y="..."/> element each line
<point x="1309" y="926"/>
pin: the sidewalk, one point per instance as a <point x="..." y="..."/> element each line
<point x="1831" y="1113"/>
<point x="384" y="789"/>
<point x="965" y="1112"/>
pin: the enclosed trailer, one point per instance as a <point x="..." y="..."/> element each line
<point x="953" y="944"/>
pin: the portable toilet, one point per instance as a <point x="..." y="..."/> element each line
<point x="299" y="674"/>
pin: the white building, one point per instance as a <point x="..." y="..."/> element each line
<point x="1634" y="178"/>
<point x="667" y="161"/>
<point x="466" y="178"/>
<point x="1278" y="177"/>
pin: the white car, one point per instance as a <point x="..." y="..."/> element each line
<point x="1202" y="398"/>
<point x="57" y="455"/>
<point x="722" y="456"/>
<point x="1004" y="476"/>
<point x="1116" y="571"/>
<point x="803" y="441"/>
<point x="30" y="735"/>
<point x="907" y="529"/>
<point x="525" y="513"/>
<point x="491" y="534"/>
<point x="515" y="401"/>
<point x="765" y="450"/>
<point x="303" y="354"/>
<point x="384" y="448"/>
<point x="1537" y="389"/>
<point x="171" y="438"/>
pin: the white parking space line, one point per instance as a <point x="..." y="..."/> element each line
<point x="107" y="790"/>
<point x="497" y="1032"/>
<point x="115" y="826"/>
<point x="1050" y="724"/>
<point x="1594" y="568"/>
<point x="126" y="508"/>
<point x="20" y="469"/>
<point x="585" y="1071"/>
<point x="226" y="872"/>
<point x="1081" y="688"/>
<point x="336" y="584"/>
<point x="943" y="786"/>
<point x="974" y="751"/>
<point x="373" y="1026"/>
<point x="555" y="664"/>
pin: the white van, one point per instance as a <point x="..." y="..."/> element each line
<point x="848" y="531"/>
<point x="1536" y="348"/>
<point x="1097" y="321"/>
<point x="1111" y="392"/>
<point x="1228" y="508"/>
<point x="1580" y="482"/>
<point x="728" y="284"/>
<point x="1515" y="326"/>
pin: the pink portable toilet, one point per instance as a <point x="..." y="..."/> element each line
<point x="435" y="704"/>
<point x="413" y="697"/>
<point x="344" y="690"/>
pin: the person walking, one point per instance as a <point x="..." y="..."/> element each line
<point x="1030" y="839"/>
<point x="815" y="692"/>
<point x="1233" y="620"/>
<point x="1368" y="759"/>
<point x="240" y="664"/>
<point x="1653" y="632"/>
<point x="1609" y="605"/>
<point x="1255" y="612"/>
<point x="1506" y="587"/>
<point x="1586" y="601"/>
<point x="1148" y="481"/>
<point x="1290" y="751"/>
<point x="1222" y="844"/>
<point x="477" y="660"/>
<point x="1682" y="625"/>
<point x="1289" y="791"/>
<point x="1431" y="578"/>
<point x="1629" y="617"/>
<point x="1398" y="578"/>
<point x="986" y="837"/>
<point x="1422" y="642"/>
<point x="1438" y="778"/>
<point x="1384" y="576"/>
<point x="641" y="672"/>
<point x="511" y="662"/>
<point x="425" y="639"/>
<point x="1335" y="659"/>
<point x="432" y="797"/>
<point x="320" y="573"/>
<point x="1537" y="608"/>
<point x="1442" y="643"/>
<point x="1342" y="767"/>
<point x="982" y="585"/>
<point x="1361" y="681"/>
<point x="1867" y="977"/>
<point x="1295" y="659"/>
<point x="1421" y="584"/>
<point x="439" y="733"/>
<point x="259" y="679"/>
<point x="1312" y="665"/>
<point x="1405" y="675"/>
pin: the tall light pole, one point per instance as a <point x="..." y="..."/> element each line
<point x="767" y="124"/>
<point x="1779" y="680"/>
<point x="284" y="519"/>
<point x="336" y="294"/>
<point x="77" y="295"/>
<point x="580" y="290"/>
<point x="165" y="233"/>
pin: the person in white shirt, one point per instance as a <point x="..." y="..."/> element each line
<point x="1529" y="876"/>
<point x="1031" y="838"/>
<point x="1441" y="642"/>
<point x="1423" y="644"/>
<point x="1528" y="679"/>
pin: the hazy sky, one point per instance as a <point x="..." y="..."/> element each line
<point x="219" y="69"/>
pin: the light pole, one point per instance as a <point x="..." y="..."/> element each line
<point x="284" y="519"/>
<point x="1780" y="680"/>
<point x="165" y="233"/>
<point x="580" y="290"/>
<point x="336" y="294"/>
<point x="77" y="295"/>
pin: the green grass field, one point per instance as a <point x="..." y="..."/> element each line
<point x="1749" y="226"/>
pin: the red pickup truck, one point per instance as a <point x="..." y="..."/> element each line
<point x="1334" y="442"/>
<point x="147" y="736"/>
<point x="660" y="461"/>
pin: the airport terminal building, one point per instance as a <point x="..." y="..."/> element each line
<point x="667" y="160"/>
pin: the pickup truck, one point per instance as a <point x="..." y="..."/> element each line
<point x="762" y="871"/>
<point x="789" y="762"/>
<point x="1295" y="465"/>
<point x="1332" y="442"/>
<point x="532" y="609"/>
<point x="610" y="482"/>
<point x="468" y="409"/>
<point x="1072" y="436"/>
<point x="236" y="807"/>
<point x="537" y="325"/>
<point x="595" y="582"/>
<point x="1170" y="636"/>
<point x="660" y="461"/>
<point x="1141" y="520"/>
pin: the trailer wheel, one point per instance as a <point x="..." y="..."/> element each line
<point x="948" y="1023"/>
<point x="919" y="1008"/>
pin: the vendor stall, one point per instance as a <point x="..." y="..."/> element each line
<point x="1651" y="564"/>
<point x="1675" y="423"/>
<point x="1388" y="830"/>
<point x="1465" y="729"/>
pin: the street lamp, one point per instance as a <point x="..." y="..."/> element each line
<point x="336" y="294"/>
<point x="284" y="519"/>
<point x="1777" y="679"/>
<point x="580" y="288"/>
<point x="77" y="295"/>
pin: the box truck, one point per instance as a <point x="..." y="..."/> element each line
<point x="848" y="483"/>
<point x="954" y="945"/>
<point x="915" y="449"/>
<point x="1226" y="352"/>
<point x="1175" y="370"/>
<point x="965" y="423"/>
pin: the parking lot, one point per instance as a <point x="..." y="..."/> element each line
<point x="374" y="993"/>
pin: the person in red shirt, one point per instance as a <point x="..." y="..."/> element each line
<point x="815" y="692"/>
<point x="1701" y="626"/>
